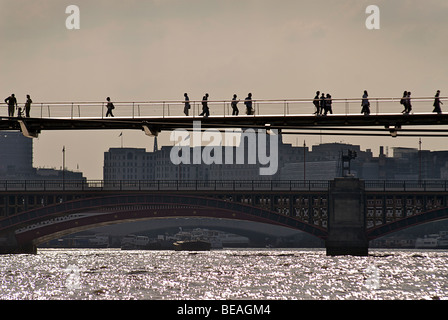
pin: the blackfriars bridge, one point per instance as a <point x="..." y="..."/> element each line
<point x="347" y="213"/>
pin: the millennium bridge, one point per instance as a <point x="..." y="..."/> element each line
<point x="290" y="116"/>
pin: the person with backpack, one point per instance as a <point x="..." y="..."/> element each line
<point x="110" y="106"/>
<point x="408" y="103"/>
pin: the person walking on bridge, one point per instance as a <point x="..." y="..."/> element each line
<point x="110" y="106"/>
<point x="235" y="110"/>
<point x="205" y="110"/>
<point x="322" y="103"/>
<point x="365" y="104"/>
<point x="403" y="101"/>
<point x="248" y="103"/>
<point x="12" y="102"/>
<point x="187" y="104"/>
<point x="437" y="103"/>
<point x="328" y="105"/>
<point x="316" y="102"/>
<point x="28" y="105"/>
<point x="408" y="105"/>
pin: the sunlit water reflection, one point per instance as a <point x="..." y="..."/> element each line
<point x="223" y="274"/>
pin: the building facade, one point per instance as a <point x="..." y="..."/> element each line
<point x="323" y="162"/>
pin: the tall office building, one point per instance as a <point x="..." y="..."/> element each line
<point x="16" y="160"/>
<point x="16" y="155"/>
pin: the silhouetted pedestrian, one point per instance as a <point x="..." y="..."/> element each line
<point x="316" y="102"/>
<point x="110" y="106"/>
<point x="248" y="103"/>
<point x="328" y="103"/>
<point x="235" y="110"/>
<point x="19" y="112"/>
<point x="28" y="105"/>
<point x="12" y="102"/>
<point x="437" y="103"/>
<point x="322" y="103"/>
<point x="205" y="110"/>
<point x="403" y="101"/>
<point x="187" y="104"/>
<point x="365" y="104"/>
<point x="408" y="106"/>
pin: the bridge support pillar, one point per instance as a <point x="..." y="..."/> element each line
<point x="9" y="245"/>
<point x="346" y="218"/>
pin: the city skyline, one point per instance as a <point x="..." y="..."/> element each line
<point x="322" y="162"/>
<point x="157" y="50"/>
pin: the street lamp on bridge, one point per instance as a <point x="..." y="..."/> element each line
<point x="351" y="155"/>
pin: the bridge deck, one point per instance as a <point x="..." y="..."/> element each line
<point x="388" y="122"/>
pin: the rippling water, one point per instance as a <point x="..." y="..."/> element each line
<point x="223" y="274"/>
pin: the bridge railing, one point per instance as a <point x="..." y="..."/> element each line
<point x="212" y="185"/>
<point x="170" y="185"/>
<point x="148" y="109"/>
<point x="406" y="185"/>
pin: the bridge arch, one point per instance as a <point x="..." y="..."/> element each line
<point x="112" y="209"/>
<point x="411" y="221"/>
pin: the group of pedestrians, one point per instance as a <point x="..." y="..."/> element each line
<point x="11" y="101"/>
<point x="206" y="110"/>
<point x="406" y="102"/>
<point x="323" y="104"/>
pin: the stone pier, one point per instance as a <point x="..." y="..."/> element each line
<point x="346" y="222"/>
<point x="9" y="245"/>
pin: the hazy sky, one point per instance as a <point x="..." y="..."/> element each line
<point x="138" y="50"/>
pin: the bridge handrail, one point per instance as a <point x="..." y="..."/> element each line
<point x="406" y="185"/>
<point x="163" y="185"/>
<point x="182" y="102"/>
<point x="161" y="108"/>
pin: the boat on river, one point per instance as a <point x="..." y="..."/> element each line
<point x="202" y="239"/>
<point x="433" y="241"/>
<point x="134" y="242"/>
<point x="192" y="245"/>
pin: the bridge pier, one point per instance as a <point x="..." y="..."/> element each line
<point x="346" y="219"/>
<point x="9" y="245"/>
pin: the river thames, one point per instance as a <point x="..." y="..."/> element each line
<point x="236" y="274"/>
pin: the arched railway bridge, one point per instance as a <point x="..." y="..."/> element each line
<point x="347" y="213"/>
